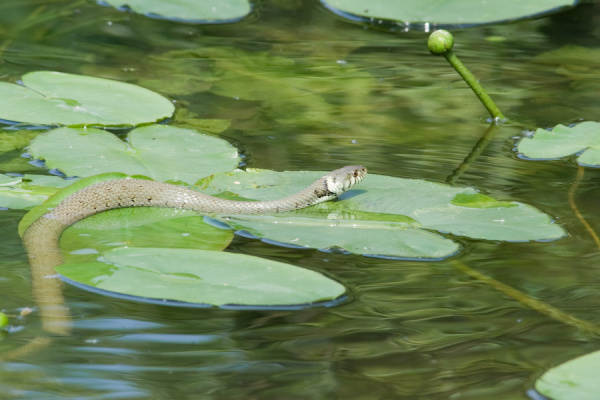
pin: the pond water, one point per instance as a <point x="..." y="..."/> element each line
<point x="306" y="91"/>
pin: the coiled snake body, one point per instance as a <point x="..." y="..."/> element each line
<point x="41" y="239"/>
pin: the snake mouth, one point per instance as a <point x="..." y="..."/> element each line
<point x="358" y="175"/>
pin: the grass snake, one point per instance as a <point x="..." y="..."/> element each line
<point x="41" y="239"/>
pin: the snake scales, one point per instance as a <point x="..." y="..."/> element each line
<point x="41" y="239"/>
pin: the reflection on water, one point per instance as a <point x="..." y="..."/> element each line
<point x="412" y="330"/>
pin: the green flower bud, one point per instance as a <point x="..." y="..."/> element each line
<point x="440" y="42"/>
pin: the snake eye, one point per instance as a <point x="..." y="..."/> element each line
<point x="355" y="174"/>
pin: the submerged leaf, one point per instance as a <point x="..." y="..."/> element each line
<point x="478" y="200"/>
<point x="55" y="98"/>
<point x="316" y="95"/>
<point x="562" y="141"/>
<point x="204" y="277"/>
<point x="16" y="140"/>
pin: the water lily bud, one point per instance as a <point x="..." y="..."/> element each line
<point x="440" y="42"/>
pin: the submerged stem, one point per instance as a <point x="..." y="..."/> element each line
<point x="474" y="154"/>
<point x="580" y="217"/>
<point x="528" y="301"/>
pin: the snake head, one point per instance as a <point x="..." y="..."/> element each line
<point x="342" y="179"/>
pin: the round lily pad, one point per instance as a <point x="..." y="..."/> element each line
<point x="203" y="277"/>
<point x="55" y="98"/>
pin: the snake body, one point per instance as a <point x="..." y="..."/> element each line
<point x="41" y="239"/>
<point x="143" y="193"/>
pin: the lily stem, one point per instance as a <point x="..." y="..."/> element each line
<point x="475" y="86"/>
<point x="440" y="43"/>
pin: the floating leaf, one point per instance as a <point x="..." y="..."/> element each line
<point x="575" y="379"/>
<point x="141" y="227"/>
<point x="158" y="151"/>
<point x="374" y="238"/>
<point x="55" y="98"/>
<point x="448" y="12"/>
<point x="364" y="219"/>
<point x="203" y="277"/>
<point x="28" y="191"/>
<point x="582" y="139"/>
<point x="188" y="10"/>
<point x="384" y="216"/>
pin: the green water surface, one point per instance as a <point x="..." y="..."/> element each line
<point x="306" y="91"/>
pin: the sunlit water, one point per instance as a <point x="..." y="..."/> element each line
<point x="410" y="330"/>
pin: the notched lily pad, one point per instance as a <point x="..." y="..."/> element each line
<point x="158" y="151"/>
<point x="55" y="98"/>
<point x="383" y="216"/>
<point x="204" y="277"/>
<point x="582" y="140"/>
<point x="574" y="379"/>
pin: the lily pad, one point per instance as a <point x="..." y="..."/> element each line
<point x="203" y="277"/>
<point x="371" y="238"/>
<point x="575" y="379"/>
<point x="28" y="191"/>
<point x="384" y="216"/>
<point x="140" y="227"/>
<point x="55" y="98"/>
<point x="158" y="151"/>
<point x="562" y="141"/>
<point x="444" y="12"/>
<point x="206" y="11"/>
